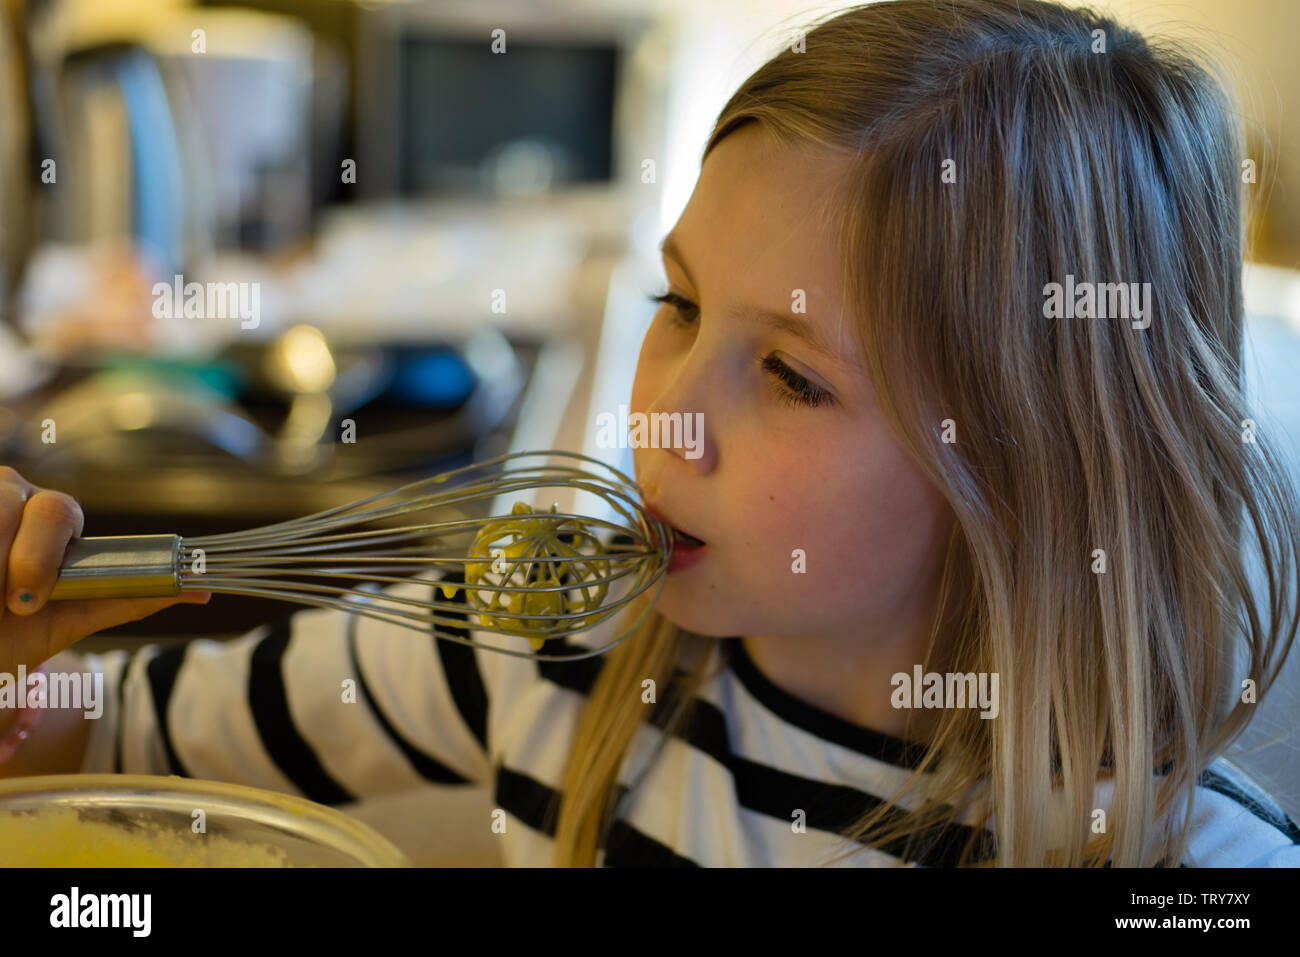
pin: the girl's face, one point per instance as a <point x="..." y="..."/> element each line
<point x="794" y="456"/>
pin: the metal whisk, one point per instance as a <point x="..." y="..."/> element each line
<point x="532" y="574"/>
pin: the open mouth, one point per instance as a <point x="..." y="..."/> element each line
<point x="682" y="539"/>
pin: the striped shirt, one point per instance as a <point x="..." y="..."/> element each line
<point x="756" y="777"/>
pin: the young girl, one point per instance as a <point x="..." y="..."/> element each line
<point x="912" y="464"/>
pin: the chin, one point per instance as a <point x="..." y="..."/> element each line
<point x="704" y="618"/>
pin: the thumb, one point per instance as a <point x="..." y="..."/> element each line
<point x="70" y="621"/>
<point x="85" y="617"/>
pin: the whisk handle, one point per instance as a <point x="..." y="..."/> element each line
<point x="120" y="566"/>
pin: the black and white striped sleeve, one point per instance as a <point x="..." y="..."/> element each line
<point x="331" y="706"/>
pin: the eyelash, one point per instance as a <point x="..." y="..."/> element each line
<point x="799" y="390"/>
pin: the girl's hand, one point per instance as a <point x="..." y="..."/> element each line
<point x="36" y="525"/>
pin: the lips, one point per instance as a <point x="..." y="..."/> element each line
<point x="683" y="537"/>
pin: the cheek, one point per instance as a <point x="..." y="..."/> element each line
<point x="876" y="521"/>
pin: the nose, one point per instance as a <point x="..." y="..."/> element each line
<point x="677" y="424"/>
<point x="681" y="418"/>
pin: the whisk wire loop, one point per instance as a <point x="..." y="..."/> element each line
<point x="543" y="576"/>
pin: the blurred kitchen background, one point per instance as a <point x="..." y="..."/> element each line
<point x="450" y="249"/>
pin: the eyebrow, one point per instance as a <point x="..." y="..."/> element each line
<point x="781" y="321"/>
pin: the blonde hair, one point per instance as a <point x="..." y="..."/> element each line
<point x="1073" y="434"/>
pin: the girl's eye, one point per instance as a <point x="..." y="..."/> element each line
<point x="680" y="306"/>
<point x="799" y="392"/>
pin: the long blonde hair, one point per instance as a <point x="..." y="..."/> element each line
<point x="1078" y="441"/>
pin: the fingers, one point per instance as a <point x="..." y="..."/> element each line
<point x="49" y="521"/>
<point x="36" y="526"/>
<point x="14" y="492"/>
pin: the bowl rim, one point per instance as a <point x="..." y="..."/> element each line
<point x="298" y="815"/>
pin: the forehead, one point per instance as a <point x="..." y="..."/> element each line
<point x="771" y="201"/>
<point x="761" y="224"/>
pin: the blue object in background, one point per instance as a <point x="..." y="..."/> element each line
<point x="158" y="204"/>
<point x="432" y="378"/>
